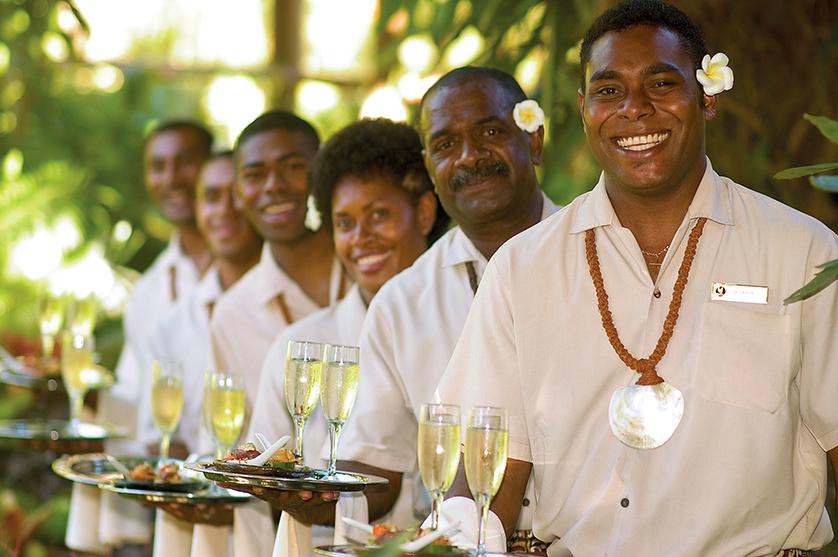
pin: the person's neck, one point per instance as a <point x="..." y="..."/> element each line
<point x="230" y="271"/>
<point x="308" y="262"/>
<point x="488" y="237"/>
<point x="193" y="245"/>
<point x="653" y="219"/>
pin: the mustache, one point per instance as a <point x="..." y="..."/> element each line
<point x="469" y="176"/>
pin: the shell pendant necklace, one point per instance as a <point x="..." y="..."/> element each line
<point x="646" y="414"/>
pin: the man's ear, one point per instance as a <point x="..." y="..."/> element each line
<point x="537" y="145"/>
<point x="580" y="102"/>
<point x="426" y="212"/>
<point x="238" y="204"/>
<point x="709" y="107"/>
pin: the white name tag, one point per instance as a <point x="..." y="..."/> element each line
<point x="728" y="292"/>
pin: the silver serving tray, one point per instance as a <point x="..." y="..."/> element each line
<point x="56" y="430"/>
<point x="344" y="550"/>
<point x="15" y="372"/>
<point x="94" y="468"/>
<point x="315" y="481"/>
<point x="209" y="495"/>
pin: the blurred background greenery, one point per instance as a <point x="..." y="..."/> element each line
<point x="81" y="82"/>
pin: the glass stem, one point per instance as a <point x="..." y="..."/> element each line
<point x="76" y="405"/>
<point x="299" y="428"/>
<point x="164" y="447"/>
<point x="436" y="508"/>
<point x="334" y="435"/>
<point x="482" y="501"/>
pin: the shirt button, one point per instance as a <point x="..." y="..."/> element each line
<point x="657" y="293"/>
<point x="525" y="502"/>
<point x="624" y="502"/>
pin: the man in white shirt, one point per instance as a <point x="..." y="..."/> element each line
<point x="182" y="335"/>
<point x="297" y="273"/>
<point x="173" y="154"/>
<point x="483" y="169"/>
<point x="672" y="271"/>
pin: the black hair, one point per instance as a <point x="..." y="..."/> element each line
<point x="278" y="120"/>
<point x="201" y="132"/>
<point x="224" y="154"/>
<point x="373" y="147"/>
<point x="469" y="73"/>
<point x="656" y="13"/>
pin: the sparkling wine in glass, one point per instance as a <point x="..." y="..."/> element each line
<point x="166" y="401"/>
<point x="82" y="316"/>
<point x="337" y="392"/>
<point x="303" y="368"/>
<point x="77" y="372"/>
<point x="439" y="451"/>
<point x="485" y="461"/>
<point x="227" y="405"/>
<point x="51" y="317"/>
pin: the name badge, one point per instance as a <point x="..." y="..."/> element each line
<point x="728" y="292"/>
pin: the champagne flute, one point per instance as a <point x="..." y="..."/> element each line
<point x="227" y="403"/>
<point x="338" y="390"/>
<point x="82" y="316"/>
<point x="166" y="401"/>
<point x="485" y="461"/>
<point x="51" y="317"/>
<point x="77" y="372"/>
<point x="439" y="451"/>
<point x="303" y="367"/>
<point x="206" y="410"/>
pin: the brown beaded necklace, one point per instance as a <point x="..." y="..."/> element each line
<point x="646" y="367"/>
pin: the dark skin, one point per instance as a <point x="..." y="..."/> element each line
<point x="468" y="127"/>
<point x="172" y="161"/>
<point x="272" y="190"/>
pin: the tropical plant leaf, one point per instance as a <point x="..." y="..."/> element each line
<point x="827" y="126"/>
<point x="827" y="183"/>
<point x="823" y="278"/>
<point x="799" y="171"/>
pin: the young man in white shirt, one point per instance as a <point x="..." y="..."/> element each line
<point x="672" y="271"/>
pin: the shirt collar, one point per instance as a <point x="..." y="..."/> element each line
<point x="462" y="250"/>
<point x="711" y="200"/>
<point x="273" y="281"/>
<point x="209" y="288"/>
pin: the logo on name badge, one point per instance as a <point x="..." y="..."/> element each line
<point x="745" y="293"/>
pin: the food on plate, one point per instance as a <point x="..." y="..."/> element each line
<point x="145" y="472"/>
<point x="282" y="458"/>
<point x="383" y="533"/>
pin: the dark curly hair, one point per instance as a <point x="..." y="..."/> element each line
<point x="203" y="135"/>
<point x="278" y="120"/>
<point x="631" y="13"/>
<point x="373" y="147"/>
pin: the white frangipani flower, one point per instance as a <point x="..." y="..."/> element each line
<point x="313" y="217"/>
<point x="715" y="75"/>
<point x="528" y="115"/>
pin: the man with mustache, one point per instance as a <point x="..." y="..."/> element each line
<point x="483" y="169"/>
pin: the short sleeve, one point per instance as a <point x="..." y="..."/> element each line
<point x="483" y="370"/>
<point x="819" y="353"/>
<point x="382" y="429"/>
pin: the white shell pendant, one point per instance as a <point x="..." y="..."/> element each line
<point x="645" y="416"/>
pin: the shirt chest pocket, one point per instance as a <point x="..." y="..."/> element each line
<point x="744" y="357"/>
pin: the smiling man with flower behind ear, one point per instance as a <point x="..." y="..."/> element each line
<point x="666" y="400"/>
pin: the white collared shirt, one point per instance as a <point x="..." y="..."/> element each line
<point x="247" y="318"/>
<point x="411" y="328"/>
<point x="744" y="473"/>
<point x="182" y="335"/>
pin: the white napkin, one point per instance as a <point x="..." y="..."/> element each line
<point x="293" y="538"/>
<point x="253" y="530"/>
<point x="350" y="505"/>
<point x="465" y="510"/>
<point x="212" y="541"/>
<point x="82" y="532"/>
<point x="123" y="521"/>
<point x="172" y="537"/>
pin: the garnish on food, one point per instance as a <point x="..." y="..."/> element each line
<point x="282" y="458"/>
<point x="145" y="472"/>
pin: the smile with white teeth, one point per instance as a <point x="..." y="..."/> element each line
<point x="278" y="208"/>
<point x="642" y="142"/>
<point x="373" y="259"/>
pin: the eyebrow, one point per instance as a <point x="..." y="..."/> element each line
<point x="481" y="122"/>
<point x="605" y="73"/>
<point x="283" y="158"/>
